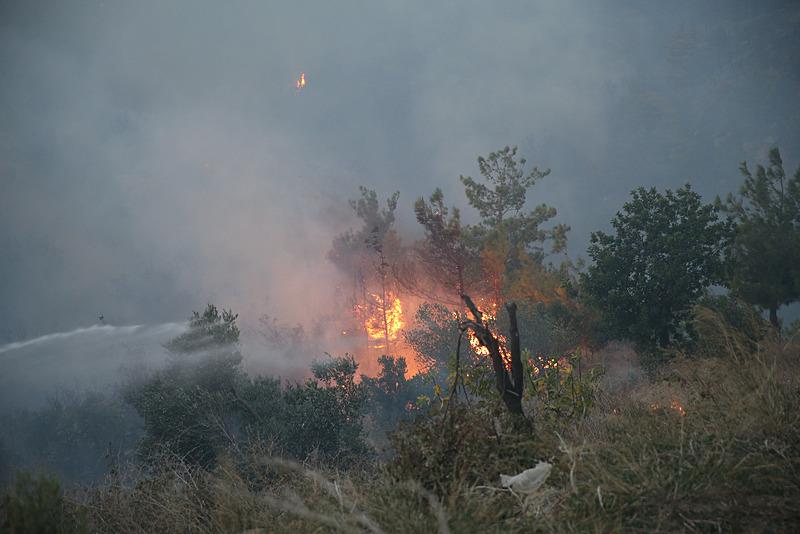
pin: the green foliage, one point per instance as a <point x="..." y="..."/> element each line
<point x="328" y="411"/>
<point x="320" y="418"/>
<point x="198" y="420"/>
<point x="186" y="408"/>
<point x="501" y="202"/>
<point x="448" y="257"/>
<point x="547" y="331"/>
<point x="351" y="251"/>
<point x="198" y="409"/>
<point x="433" y="336"/>
<point x="508" y="185"/>
<point x="37" y="506"/>
<point x="211" y="330"/>
<point x="319" y="424"/>
<point x="560" y="389"/>
<point x="377" y="222"/>
<point x="544" y="328"/>
<point x="666" y="252"/>
<point x="392" y="397"/>
<point x="765" y="253"/>
<point x="726" y="461"/>
<point x="570" y="324"/>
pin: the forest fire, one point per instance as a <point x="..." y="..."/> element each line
<point x="489" y="318"/>
<point x="383" y="321"/>
<point x="381" y="327"/>
<point x="301" y="81"/>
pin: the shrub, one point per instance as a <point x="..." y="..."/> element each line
<point x="187" y="409"/>
<point x="718" y="320"/>
<point x="37" y="504"/>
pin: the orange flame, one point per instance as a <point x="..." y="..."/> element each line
<point x="301" y="82"/>
<point x="379" y="331"/>
<point x="488" y="318"/>
<point x="675" y="405"/>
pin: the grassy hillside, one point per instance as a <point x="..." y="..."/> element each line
<point x="710" y="444"/>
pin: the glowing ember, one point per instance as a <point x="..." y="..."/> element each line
<point x="676" y="405"/>
<point x="301" y="81"/>
<point x="477" y="348"/>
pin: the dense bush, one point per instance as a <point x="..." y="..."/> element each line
<point x="38" y="505"/>
<point x="199" y="411"/>
<point x="391" y="396"/>
<point x="188" y="409"/>
<point x="203" y="405"/>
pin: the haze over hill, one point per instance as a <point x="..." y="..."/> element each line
<point x="156" y="156"/>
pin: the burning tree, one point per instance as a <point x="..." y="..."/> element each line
<point x="367" y="257"/>
<point x="509" y="387"/>
<point x="509" y="240"/>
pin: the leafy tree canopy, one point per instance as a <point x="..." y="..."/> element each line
<point x="445" y="253"/>
<point x="511" y="241"/>
<point x="666" y="251"/>
<point x="348" y="248"/>
<point x="501" y="200"/>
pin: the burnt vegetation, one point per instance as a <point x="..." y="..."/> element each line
<point x="658" y="381"/>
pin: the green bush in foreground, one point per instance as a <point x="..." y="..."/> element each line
<point x="37" y="505"/>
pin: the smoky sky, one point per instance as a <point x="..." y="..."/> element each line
<point x="155" y="156"/>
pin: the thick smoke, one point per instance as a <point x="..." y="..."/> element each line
<point x="155" y="156"/>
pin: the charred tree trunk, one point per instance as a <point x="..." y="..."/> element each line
<point x="509" y="387"/>
<point x="383" y="304"/>
<point x="773" y="317"/>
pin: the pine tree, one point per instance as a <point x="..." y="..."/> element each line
<point x="765" y="252"/>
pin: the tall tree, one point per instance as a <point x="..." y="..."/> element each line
<point x="509" y="238"/>
<point x="765" y="252"/>
<point x="666" y="252"/>
<point x="369" y="254"/>
<point x="445" y="253"/>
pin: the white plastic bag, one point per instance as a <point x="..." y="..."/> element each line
<point x="529" y="480"/>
